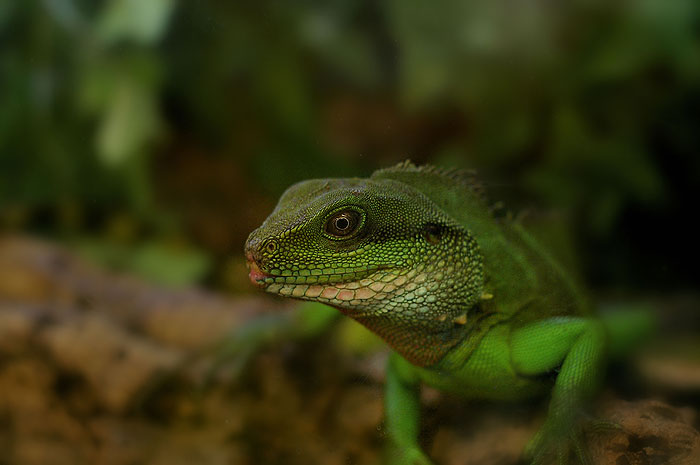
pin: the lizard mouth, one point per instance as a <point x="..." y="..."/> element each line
<point x="263" y="279"/>
<point x="256" y="275"/>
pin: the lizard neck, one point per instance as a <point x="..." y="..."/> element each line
<point x="422" y="344"/>
<point x="424" y="311"/>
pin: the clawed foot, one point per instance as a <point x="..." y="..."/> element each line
<point x="406" y="455"/>
<point x="554" y="445"/>
<point x="558" y="441"/>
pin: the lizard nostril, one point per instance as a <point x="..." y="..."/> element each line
<point x="249" y="256"/>
<point x="252" y="246"/>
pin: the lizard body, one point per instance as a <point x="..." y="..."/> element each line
<point x="469" y="303"/>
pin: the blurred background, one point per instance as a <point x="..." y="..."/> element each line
<point x="150" y="137"/>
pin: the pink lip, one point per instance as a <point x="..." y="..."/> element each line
<point x="256" y="275"/>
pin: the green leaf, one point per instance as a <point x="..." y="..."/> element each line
<point x="143" y="21"/>
<point x="130" y="121"/>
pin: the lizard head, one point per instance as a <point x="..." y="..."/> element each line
<point x="378" y="250"/>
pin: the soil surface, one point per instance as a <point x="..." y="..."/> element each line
<point x="104" y="369"/>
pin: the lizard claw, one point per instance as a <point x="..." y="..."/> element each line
<point x="406" y="455"/>
<point x="555" y="443"/>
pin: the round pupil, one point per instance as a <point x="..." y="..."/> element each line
<point x="342" y="223"/>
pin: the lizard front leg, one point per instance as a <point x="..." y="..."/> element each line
<point x="577" y="347"/>
<point x="402" y="413"/>
<point x="236" y="349"/>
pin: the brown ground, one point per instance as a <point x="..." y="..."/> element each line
<point x="103" y="369"/>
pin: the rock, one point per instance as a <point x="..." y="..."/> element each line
<point x="651" y="432"/>
<point x="117" y="364"/>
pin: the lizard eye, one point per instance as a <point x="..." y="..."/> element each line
<point x="343" y="223"/>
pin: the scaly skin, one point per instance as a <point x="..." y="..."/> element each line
<point x="470" y="304"/>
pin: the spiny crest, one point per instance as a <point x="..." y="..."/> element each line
<point x="465" y="178"/>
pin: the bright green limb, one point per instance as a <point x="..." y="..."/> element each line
<point x="577" y="346"/>
<point x="542" y="346"/>
<point x="402" y="401"/>
<point x="402" y="412"/>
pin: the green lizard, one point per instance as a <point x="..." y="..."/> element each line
<point x="469" y="304"/>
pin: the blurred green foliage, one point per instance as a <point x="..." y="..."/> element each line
<point x="80" y="99"/>
<point x="111" y="108"/>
